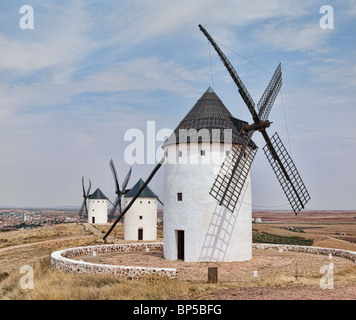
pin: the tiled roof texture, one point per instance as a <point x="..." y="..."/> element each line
<point x="209" y="118"/>
<point x="146" y="192"/>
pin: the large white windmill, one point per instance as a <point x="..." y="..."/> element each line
<point x="196" y="227"/>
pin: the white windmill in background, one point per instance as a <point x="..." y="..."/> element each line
<point x="97" y="208"/>
<point x="95" y="205"/>
<point x="141" y="220"/>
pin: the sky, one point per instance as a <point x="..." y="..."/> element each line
<point x="85" y="73"/>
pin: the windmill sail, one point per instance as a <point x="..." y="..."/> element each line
<point x="242" y="89"/>
<point x="85" y="196"/>
<point x="119" y="192"/>
<point x="126" y="180"/>
<point x="230" y="180"/>
<point x="269" y="96"/>
<point x="287" y="174"/>
<point x="233" y="173"/>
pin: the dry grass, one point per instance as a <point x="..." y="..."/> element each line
<point x="58" y="231"/>
<point x="117" y="232"/>
<point x="56" y="285"/>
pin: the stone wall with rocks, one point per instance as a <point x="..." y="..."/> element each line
<point x="62" y="260"/>
<point x="307" y="249"/>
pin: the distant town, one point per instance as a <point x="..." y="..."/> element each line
<point x="28" y="218"/>
<point x="17" y="219"/>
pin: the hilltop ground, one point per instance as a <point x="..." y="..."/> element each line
<point x="333" y="229"/>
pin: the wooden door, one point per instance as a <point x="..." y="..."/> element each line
<point x="140" y="234"/>
<point x="180" y="244"/>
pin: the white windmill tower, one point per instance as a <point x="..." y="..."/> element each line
<point x="97" y="208"/>
<point x="196" y="227"/>
<point x="141" y="220"/>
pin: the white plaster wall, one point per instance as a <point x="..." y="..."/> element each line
<point x="98" y="208"/>
<point x="147" y="208"/>
<point x="212" y="233"/>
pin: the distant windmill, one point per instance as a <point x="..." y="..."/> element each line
<point x="86" y="195"/>
<point x="119" y="192"/>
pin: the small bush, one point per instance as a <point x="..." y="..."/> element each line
<point x="3" y="275"/>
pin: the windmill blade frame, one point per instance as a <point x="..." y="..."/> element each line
<point x="242" y="89"/>
<point x="114" y="208"/>
<point x="89" y="187"/>
<point x="86" y="207"/>
<point x="83" y="186"/>
<point x="229" y="183"/>
<point x="82" y="208"/>
<point x="269" y="96"/>
<point x="85" y="196"/>
<point x="287" y="173"/>
<point x="113" y="170"/>
<point x="127" y="178"/>
<point x="119" y="192"/>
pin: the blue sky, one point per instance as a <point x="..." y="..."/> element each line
<point x="91" y="70"/>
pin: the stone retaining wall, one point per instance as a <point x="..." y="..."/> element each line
<point x="61" y="260"/>
<point x="307" y="249"/>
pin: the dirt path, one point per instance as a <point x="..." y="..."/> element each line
<point x="18" y="246"/>
<point x="91" y="228"/>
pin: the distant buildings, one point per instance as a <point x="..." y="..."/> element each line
<point x="23" y="218"/>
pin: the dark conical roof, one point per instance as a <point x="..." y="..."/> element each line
<point x="208" y="113"/>
<point x="146" y="192"/>
<point x="98" y="195"/>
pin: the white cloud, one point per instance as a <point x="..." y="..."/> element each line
<point x="145" y="74"/>
<point x="340" y="76"/>
<point x="59" y="40"/>
<point x="304" y="38"/>
<point x="142" y="20"/>
<point x="348" y="8"/>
